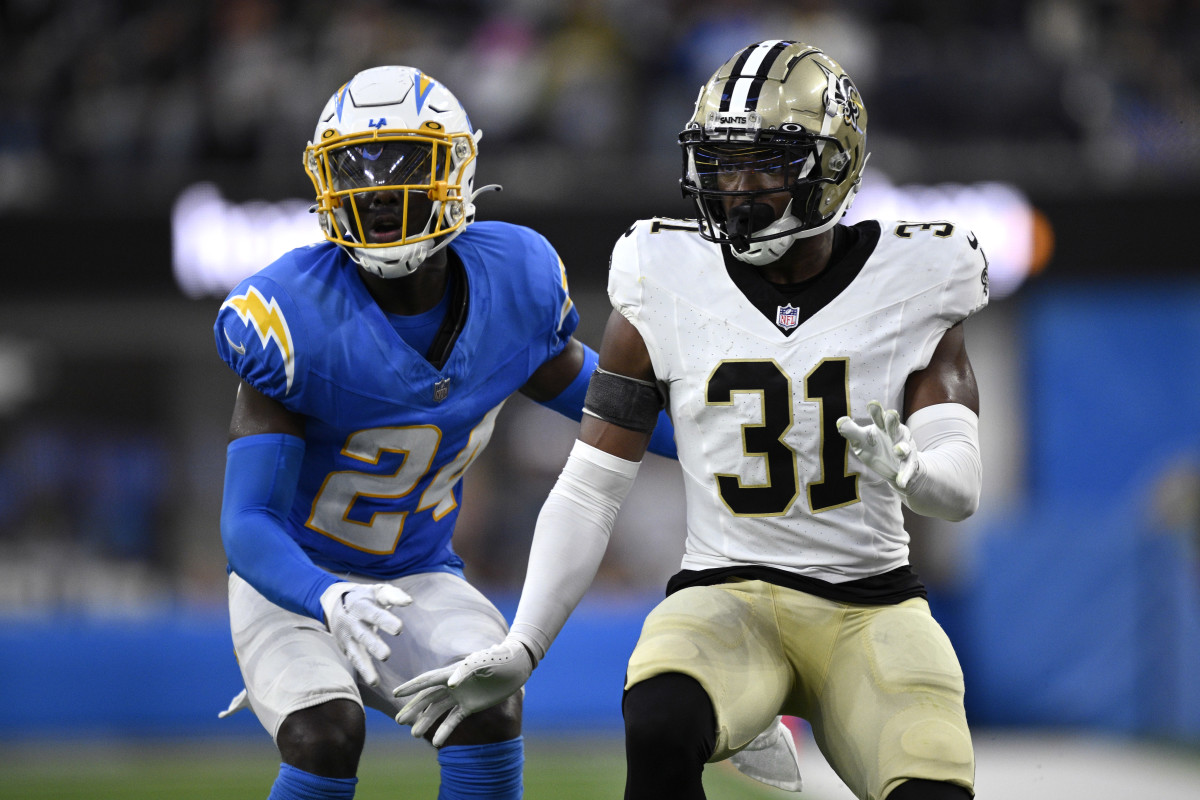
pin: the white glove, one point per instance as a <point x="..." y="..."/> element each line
<point x="353" y="614"/>
<point x="479" y="681"/>
<point x="771" y="758"/>
<point x="886" y="446"/>
<point x="240" y="700"/>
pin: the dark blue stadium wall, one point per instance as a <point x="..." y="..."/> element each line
<point x="72" y="677"/>
<point x="1084" y="607"/>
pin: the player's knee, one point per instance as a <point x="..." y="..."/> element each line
<point x="669" y="716"/>
<point x="916" y="789"/>
<point x="325" y="740"/>
<point x="500" y="723"/>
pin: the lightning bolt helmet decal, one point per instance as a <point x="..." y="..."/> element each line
<point x="341" y="98"/>
<point x="424" y="84"/>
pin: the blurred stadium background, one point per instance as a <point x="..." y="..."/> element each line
<point x="150" y="157"/>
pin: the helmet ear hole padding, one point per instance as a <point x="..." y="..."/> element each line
<point x="385" y="105"/>
<point x="782" y="98"/>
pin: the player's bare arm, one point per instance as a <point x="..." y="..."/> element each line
<point x="562" y="382"/>
<point x="555" y="375"/>
<point x="622" y="352"/>
<point x="948" y="378"/>
<point x="254" y="413"/>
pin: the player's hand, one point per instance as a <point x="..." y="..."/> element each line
<point x="771" y="758"/>
<point x="479" y="681"/>
<point x="885" y="446"/>
<point x="354" y="613"/>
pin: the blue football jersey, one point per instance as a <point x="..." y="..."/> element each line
<point x="388" y="435"/>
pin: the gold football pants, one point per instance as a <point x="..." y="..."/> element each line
<point x="880" y="685"/>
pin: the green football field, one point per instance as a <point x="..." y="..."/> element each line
<point x="1034" y="765"/>
<point x="391" y="770"/>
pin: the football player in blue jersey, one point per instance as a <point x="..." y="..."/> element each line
<point x="373" y="366"/>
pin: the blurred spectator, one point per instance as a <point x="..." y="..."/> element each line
<point x="134" y="97"/>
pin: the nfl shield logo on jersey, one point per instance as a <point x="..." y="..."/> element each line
<point x="787" y="317"/>
<point x="441" y="390"/>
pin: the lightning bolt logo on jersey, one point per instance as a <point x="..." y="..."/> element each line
<point x="263" y="317"/>
<point x="380" y="484"/>
<point x="755" y="397"/>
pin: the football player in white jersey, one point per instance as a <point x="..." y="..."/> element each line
<point x="817" y="377"/>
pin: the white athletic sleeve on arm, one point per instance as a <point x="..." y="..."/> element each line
<point x="949" y="475"/>
<point x="569" y="541"/>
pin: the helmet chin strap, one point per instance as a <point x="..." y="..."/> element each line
<point x="760" y="254"/>
<point x="393" y="262"/>
<point x="405" y="259"/>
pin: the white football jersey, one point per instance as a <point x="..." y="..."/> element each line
<point x="755" y="389"/>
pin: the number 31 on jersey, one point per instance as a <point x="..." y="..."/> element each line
<point x="826" y="385"/>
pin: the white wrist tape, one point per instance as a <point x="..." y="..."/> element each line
<point x="949" y="474"/>
<point x="569" y="541"/>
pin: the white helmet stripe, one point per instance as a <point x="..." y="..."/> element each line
<point x="737" y="98"/>
<point x="759" y="54"/>
<point x="751" y="69"/>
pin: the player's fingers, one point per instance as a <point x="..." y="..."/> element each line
<point x="891" y="424"/>
<point x="362" y="663"/>
<point x="464" y="672"/>
<point x="431" y="714"/>
<point x="364" y="607"/>
<point x="413" y="708"/>
<point x="241" y="700"/>
<point x="906" y="473"/>
<point x="487" y="660"/>
<point x="369" y="641"/>
<point x="380" y="618"/>
<point x="419" y="706"/>
<point x="852" y="431"/>
<point x="387" y="595"/>
<point x="875" y="409"/>
<point x="435" y="678"/>
<point x="446" y="728"/>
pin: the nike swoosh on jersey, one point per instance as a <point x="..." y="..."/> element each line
<point x="240" y="349"/>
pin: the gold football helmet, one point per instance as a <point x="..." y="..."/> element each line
<point x="789" y="113"/>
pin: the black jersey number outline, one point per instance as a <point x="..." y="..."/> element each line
<point x="941" y="229"/>
<point x="826" y="384"/>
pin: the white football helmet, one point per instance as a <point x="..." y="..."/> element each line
<point x="393" y="164"/>
<point x="780" y="108"/>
